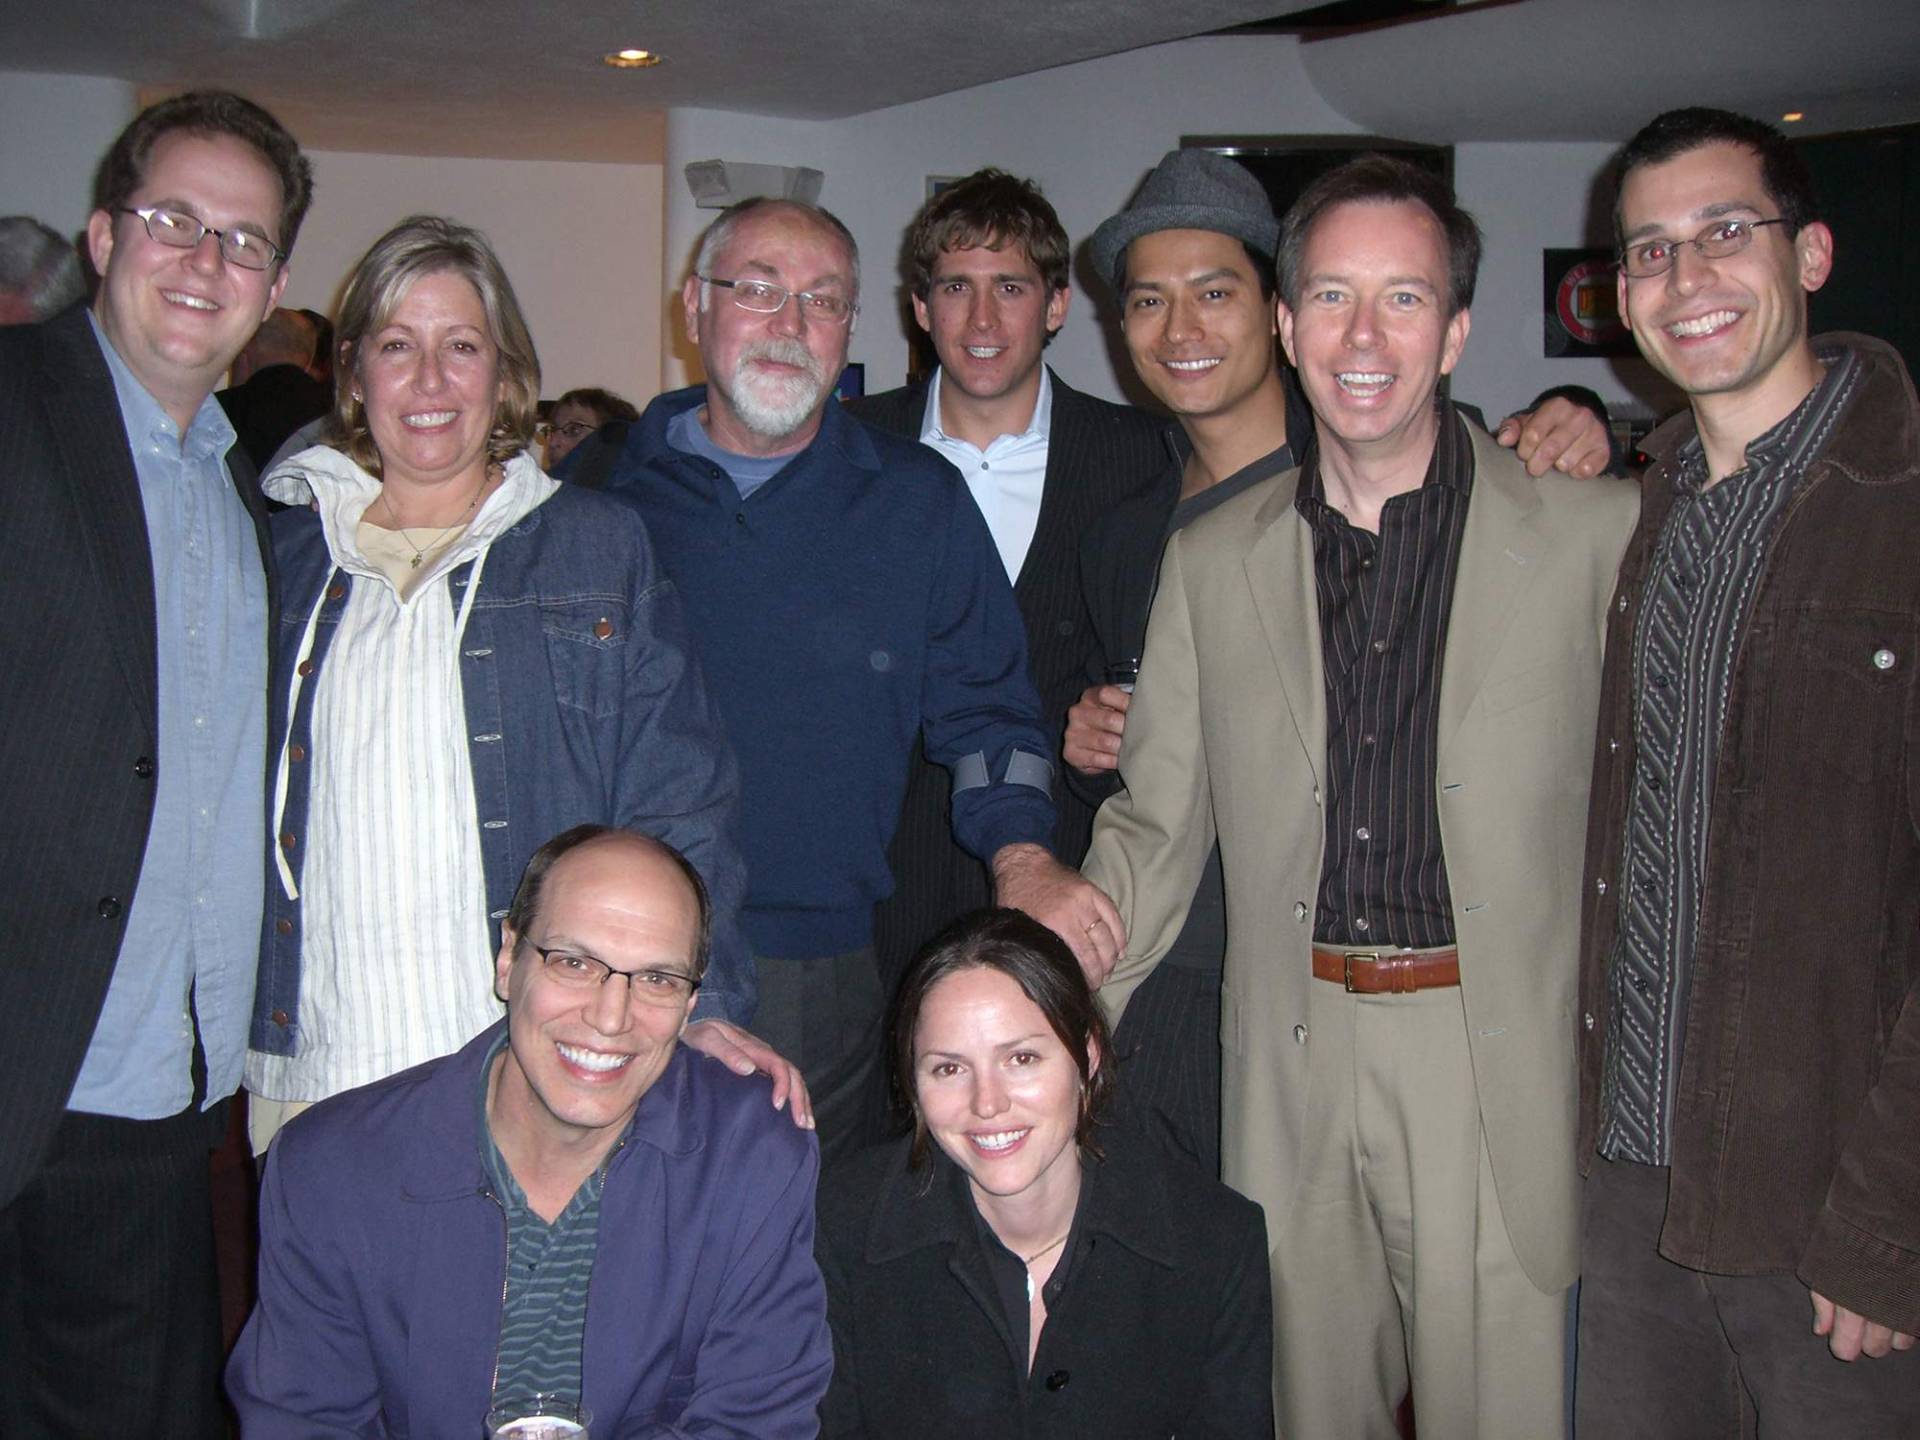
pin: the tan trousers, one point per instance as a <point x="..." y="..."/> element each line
<point x="1394" y="1266"/>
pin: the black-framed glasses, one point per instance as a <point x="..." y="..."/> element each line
<point x="764" y="298"/>
<point x="183" y="232"/>
<point x="573" y="429"/>
<point x="1645" y="259"/>
<point x="586" y="972"/>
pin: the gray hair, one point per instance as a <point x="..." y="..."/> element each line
<point x="39" y="268"/>
<point x="721" y="231"/>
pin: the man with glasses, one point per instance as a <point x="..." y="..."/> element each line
<point x="575" y="1205"/>
<point x="846" y="598"/>
<point x="132" y="774"/>
<point x="1750" y="982"/>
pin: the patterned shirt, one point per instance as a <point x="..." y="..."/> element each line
<point x="543" y="1317"/>
<point x="1707" y="565"/>
<point x="1384" y="602"/>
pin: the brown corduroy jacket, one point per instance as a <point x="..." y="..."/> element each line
<point x="1796" y="1126"/>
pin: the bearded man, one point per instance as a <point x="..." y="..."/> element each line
<point x="846" y="597"/>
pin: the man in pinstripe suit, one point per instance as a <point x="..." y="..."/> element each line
<point x="988" y="270"/>
<point x="132" y="774"/>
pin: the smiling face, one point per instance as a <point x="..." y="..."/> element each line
<point x="430" y="378"/>
<point x="1371" y="336"/>
<point x="997" y="1089"/>
<point x="1197" y="325"/>
<point x="580" y="1059"/>
<point x="178" y="317"/>
<point x="989" y="314"/>
<point x="1735" y="327"/>
<point x="770" y="376"/>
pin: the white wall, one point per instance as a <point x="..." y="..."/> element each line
<point x="580" y="242"/>
<point x="53" y="131"/>
<point x="1087" y="133"/>
<point x="1529" y="198"/>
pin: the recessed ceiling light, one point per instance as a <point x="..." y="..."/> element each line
<point x="1793" y="115"/>
<point x="630" y="59"/>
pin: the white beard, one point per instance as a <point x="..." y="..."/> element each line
<point x="772" y="406"/>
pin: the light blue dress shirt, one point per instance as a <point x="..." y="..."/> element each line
<point x="194" y="926"/>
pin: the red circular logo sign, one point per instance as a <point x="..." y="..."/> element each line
<point x="1587" y="305"/>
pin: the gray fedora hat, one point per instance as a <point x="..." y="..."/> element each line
<point x="1189" y="190"/>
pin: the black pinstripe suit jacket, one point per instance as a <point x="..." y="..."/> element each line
<point x="1097" y="452"/>
<point x="77" y="741"/>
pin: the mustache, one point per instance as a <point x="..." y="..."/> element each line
<point x="782" y="351"/>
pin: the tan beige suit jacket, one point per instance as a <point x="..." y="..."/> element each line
<point x="1228" y="735"/>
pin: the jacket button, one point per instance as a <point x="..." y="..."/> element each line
<point x="279" y="1017"/>
<point x="286" y="839"/>
<point x="335" y="592"/>
<point x="143" y="767"/>
<point x="109" y="907"/>
<point x="1299" y="1034"/>
<point x="284" y="926"/>
<point x="1613" y="747"/>
<point x="305" y="667"/>
<point x="1600" y="886"/>
<point x="604" y="629"/>
<point x="1300" y="911"/>
<point x="1058" y="1380"/>
<point x="1587" y="1020"/>
<point x="296" y="752"/>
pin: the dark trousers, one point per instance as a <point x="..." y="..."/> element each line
<point x="109" y="1309"/>
<point x="1168" y="1048"/>
<point x="827" y="1015"/>
<point x="1670" y="1352"/>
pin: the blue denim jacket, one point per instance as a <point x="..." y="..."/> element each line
<point x="584" y="702"/>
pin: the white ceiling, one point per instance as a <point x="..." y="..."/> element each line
<point x="524" y="78"/>
<point x="519" y="78"/>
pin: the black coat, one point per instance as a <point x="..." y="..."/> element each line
<point x="77" y="748"/>
<point x="1097" y="452"/>
<point x="1164" y="1327"/>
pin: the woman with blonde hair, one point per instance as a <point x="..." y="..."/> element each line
<point x="471" y="658"/>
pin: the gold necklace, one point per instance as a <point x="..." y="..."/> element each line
<point x="419" y="552"/>
<point x="1029" y="1259"/>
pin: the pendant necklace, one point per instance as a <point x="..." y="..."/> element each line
<point x="420" y="552"/>
<point x="1029" y="1259"/>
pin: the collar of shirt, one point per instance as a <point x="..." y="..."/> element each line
<point x="1038" y="430"/>
<point x="1451" y="468"/>
<point x="211" y="433"/>
<point x="1820" y="406"/>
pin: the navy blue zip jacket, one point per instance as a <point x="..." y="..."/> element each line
<point x="853" y="602"/>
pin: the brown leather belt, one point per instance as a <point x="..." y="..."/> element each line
<point x="1387" y="972"/>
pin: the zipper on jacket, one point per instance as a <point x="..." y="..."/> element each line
<point x="506" y="1270"/>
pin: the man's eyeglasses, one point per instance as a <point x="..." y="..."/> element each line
<point x="763" y="298"/>
<point x="1645" y="259"/>
<point x="573" y="429"/>
<point x="183" y="232"/>
<point x="585" y="972"/>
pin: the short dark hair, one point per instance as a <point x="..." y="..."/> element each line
<point x="993" y="210"/>
<point x="604" y="403"/>
<point x="525" y="908"/>
<point x="1672" y="134"/>
<point x="208" y="113"/>
<point x="1375" y="179"/>
<point x="1039" y="962"/>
